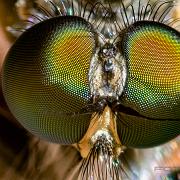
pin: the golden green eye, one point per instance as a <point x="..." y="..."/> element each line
<point x="45" y="77"/>
<point x="152" y="91"/>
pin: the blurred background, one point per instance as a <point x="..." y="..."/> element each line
<point x="20" y="153"/>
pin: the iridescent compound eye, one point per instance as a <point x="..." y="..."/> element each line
<point x="45" y="78"/>
<point x="151" y="100"/>
<point x="45" y="81"/>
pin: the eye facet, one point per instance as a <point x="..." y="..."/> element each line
<point x="152" y="52"/>
<point x="45" y="77"/>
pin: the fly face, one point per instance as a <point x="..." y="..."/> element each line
<point x="107" y="73"/>
<point x="100" y="84"/>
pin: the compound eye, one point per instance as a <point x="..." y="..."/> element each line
<point x="152" y="53"/>
<point x="45" y="78"/>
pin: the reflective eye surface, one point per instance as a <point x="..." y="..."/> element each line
<point x="65" y="64"/>
<point x="152" y="92"/>
<point x="152" y="51"/>
<point x="46" y="76"/>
